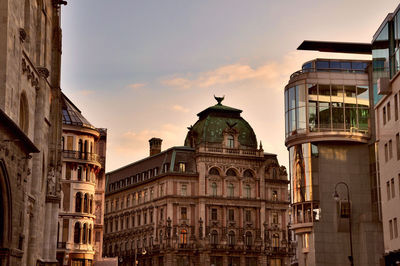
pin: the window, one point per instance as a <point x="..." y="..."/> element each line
<point x="127" y="222"/>
<point x="388" y="190"/>
<point x="247" y="191"/>
<point x="275" y="219"/>
<point x="145" y="217"/>
<point x="138" y="219"/>
<point x="390" y="149"/>
<point x="151" y="217"/>
<point x="395" y="231"/>
<point x="84" y="237"/>
<point x="274" y="195"/>
<point x="116" y="204"/>
<point x="183" y="190"/>
<point x="182" y="167"/>
<point x="248" y="215"/>
<point x="87" y="172"/>
<point x="122" y="223"/>
<point x="213" y="171"/>
<point x="214" y="189"/>
<point x="128" y="198"/>
<point x="214" y="237"/>
<point x="230" y="141"/>
<point x="388" y="112"/>
<point x="274" y="173"/>
<point x="79" y="173"/>
<point x="133" y="220"/>
<point x="248" y="173"/>
<point x="214" y="214"/>
<point x="231" y="238"/>
<point x="396" y="108"/>
<point x="86" y="203"/>
<point x="344" y="209"/>
<point x="161" y="214"/>
<point x="391" y="229"/>
<point x="231" y="215"/>
<point x="183" y="213"/>
<point x="275" y="240"/>
<point x="398" y="146"/>
<point x="231" y="172"/>
<point x="384" y="115"/>
<point x="231" y="190"/>
<point x="249" y="238"/>
<point x="77" y="233"/>
<point x="78" y="202"/>
<point x="67" y="171"/>
<point x="386" y="152"/>
<point x="183" y="237"/>
<point x="306" y="240"/>
<point x="392" y="185"/>
<point x="165" y="167"/>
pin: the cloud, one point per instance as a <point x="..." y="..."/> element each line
<point x="86" y="92"/>
<point x="136" y="85"/>
<point x="180" y="108"/>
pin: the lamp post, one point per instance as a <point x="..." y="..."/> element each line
<point x="337" y="198"/>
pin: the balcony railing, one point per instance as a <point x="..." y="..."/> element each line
<point x="333" y="70"/>
<point x="78" y="155"/>
<point x="223" y="150"/>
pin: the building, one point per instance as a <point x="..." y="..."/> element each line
<point x="80" y="220"/>
<point x="329" y="135"/>
<point x="217" y="200"/>
<point x="30" y="131"/>
<point x="386" y="84"/>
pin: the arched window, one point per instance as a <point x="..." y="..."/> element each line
<point x="90" y="235"/>
<point x="23" y="113"/>
<point x="84" y="238"/>
<point x="231" y="190"/>
<point x="91" y="204"/>
<point x="77" y="233"/>
<point x="183" y="238"/>
<point x="78" y="202"/>
<point x="247" y="191"/>
<point x="86" y="203"/>
<point x="213" y="171"/>
<point x="230" y="141"/>
<point x="214" y="237"/>
<point x="231" y="238"/>
<point x="214" y="189"/>
<point x="248" y="173"/>
<point x="231" y="172"/>
<point x="249" y="238"/>
<point x="275" y="240"/>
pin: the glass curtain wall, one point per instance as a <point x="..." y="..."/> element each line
<point x="329" y="107"/>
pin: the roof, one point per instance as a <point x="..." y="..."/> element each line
<point x="214" y="120"/>
<point x="72" y="115"/>
<point x="336" y="47"/>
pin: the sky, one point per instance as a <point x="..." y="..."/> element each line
<point x="144" y="69"/>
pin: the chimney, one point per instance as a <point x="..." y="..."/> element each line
<point x="155" y="146"/>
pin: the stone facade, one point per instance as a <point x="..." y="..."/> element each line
<point x="30" y="158"/>
<point x="81" y="213"/>
<point x="218" y="200"/>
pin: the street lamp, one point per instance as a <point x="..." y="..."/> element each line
<point x="337" y="198"/>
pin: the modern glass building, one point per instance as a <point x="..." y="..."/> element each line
<point x="328" y="135"/>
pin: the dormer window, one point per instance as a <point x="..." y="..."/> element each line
<point x="230" y="141"/>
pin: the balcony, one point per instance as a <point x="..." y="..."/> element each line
<point x="230" y="151"/>
<point x="84" y="156"/>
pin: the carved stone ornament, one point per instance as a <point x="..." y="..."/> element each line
<point x="43" y="72"/>
<point x="51" y="182"/>
<point x="22" y="34"/>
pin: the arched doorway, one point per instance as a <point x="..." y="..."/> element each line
<point x="5" y="213"/>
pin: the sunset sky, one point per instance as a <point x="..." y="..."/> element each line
<point x="144" y="69"/>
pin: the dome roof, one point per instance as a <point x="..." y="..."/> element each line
<point x="216" y="119"/>
<point x="71" y="115"/>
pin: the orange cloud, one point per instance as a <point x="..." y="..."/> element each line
<point x="136" y="85"/>
<point x="180" y="108"/>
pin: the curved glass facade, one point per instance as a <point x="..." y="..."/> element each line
<point x="316" y="107"/>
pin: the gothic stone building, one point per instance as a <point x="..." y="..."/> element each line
<point x="30" y="131"/>
<point x="80" y="221"/>
<point x="218" y="200"/>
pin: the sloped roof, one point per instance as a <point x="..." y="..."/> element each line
<point x="72" y="115"/>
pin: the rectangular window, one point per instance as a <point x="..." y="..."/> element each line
<point x="396" y="108"/>
<point x="151" y="217"/>
<point x="161" y="214"/>
<point x="183" y="190"/>
<point x="231" y="215"/>
<point x="391" y="229"/>
<point x="398" y="146"/>
<point x="396" y="233"/>
<point x="390" y="149"/>
<point x="388" y="190"/>
<point x="79" y="173"/>
<point x="388" y="112"/>
<point x="133" y="220"/>
<point x="248" y="216"/>
<point x="275" y="219"/>
<point x="384" y="115"/>
<point x="68" y="171"/>
<point x="145" y="217"/>
<point x="392" y="186"/>
<point x="183" y="213"/>
<point x="214" y="214"/>
<point x="182" y="167"/>
<point x="138" y="219"/>
<point x="386" y="152"/>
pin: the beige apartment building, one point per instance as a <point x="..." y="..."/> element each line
<point x="81" y="213"/>
<point x="218" y="200"/>
<point x="386" y="82"/>
<point x="30" y="131"/>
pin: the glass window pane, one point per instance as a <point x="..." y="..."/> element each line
<point x="363" y="115"/>
<point x="286" y="100"/>
<point x="292" y="99"/>
<point x="312" y="89"/>
<point x="292" y="117"/>
<point x="362" y="96"/>
<point x="351" y="117"/>
<point x="345" y="65"/>
<point x="301" y="95"/>
<point x="337" y="115"/>
<point x="324" y="89"/>
<point x="322" y="65"/>
<point x="324" y="114"/>
<point x="301" y="119"/>
<point x="312" y="116"/>
<point x="335" y="65"/>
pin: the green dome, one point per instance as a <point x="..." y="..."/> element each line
<point x="214" y="120"/>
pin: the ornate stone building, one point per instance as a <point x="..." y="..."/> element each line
<point x="80" y="221"/>
<point x="30" y="131"/>
<point x="218" y="200"/>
